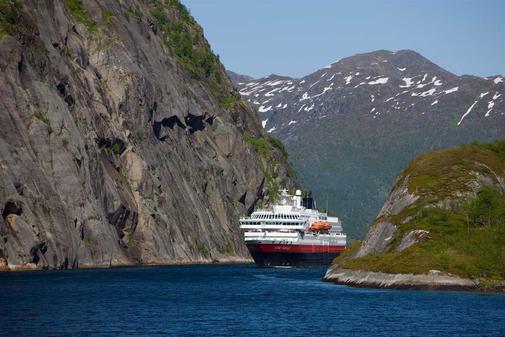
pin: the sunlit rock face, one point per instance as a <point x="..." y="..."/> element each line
<point x="114" y="149"/>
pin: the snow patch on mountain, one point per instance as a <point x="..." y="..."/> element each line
<point x="408" y="82"/>
<point x="424" y="93"/>
<point x="451" y="90"/>
<point x="309" y="108"/>
<point x="382" y="80"/>
<point x="482" y="95"/>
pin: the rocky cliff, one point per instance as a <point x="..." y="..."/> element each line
<point x="122" y="140"/>
<point x="443" y="226"/>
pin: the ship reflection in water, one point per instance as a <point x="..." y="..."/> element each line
<point x="293" y="233"/>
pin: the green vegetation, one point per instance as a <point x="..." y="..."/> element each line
<point x="106" y="16"/>
<point x="228" y="101"/>
<point x="261" y="145"/>
<point x="265" y="148"/>
<point x="43" y="118"/>
<point x="116" y="148"/>
<point x="226" y="249"/>
<point x="348" y="253"/>
<point x="133" y="12"/>
<point x="130" y="242"/>
<point x="185" y="40"/>
<point x="64" y="142"/>
<point x="10" y="11"/>
<point x="438" y="175"/>
<point x="201" y="248"/>
<point x="80" y="14"/>
<point x="126" y="181"/>
<point x="467" y="234"/>
<point x="455" y="245"/>
<point x="278" y="145"/>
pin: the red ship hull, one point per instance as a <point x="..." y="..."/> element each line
<point x="293" y="255"/>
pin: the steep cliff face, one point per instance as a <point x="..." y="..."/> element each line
<point x="445" y="216"/>
<point x="122" y="140"/>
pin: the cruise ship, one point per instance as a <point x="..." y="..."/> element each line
<point x="293" y="233"/>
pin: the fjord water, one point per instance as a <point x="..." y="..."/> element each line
<point x="231" y="300"/>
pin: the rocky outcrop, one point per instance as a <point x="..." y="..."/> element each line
<point x="412" y="238"/>
<point x="442" y="226"/>
<point x="380" y="235"/>
<point x="119" y="142"/>
<point x="434" y="280"/>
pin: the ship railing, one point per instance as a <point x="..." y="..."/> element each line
<point x="284" y="220"/>
<point x="272" y="234"/>
<point x="271" y="226"/>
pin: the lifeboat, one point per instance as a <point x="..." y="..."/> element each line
<point x="320" y="226"/>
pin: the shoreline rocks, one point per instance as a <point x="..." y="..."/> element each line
<point x="224" y="260"/>
<point x="434" y="280"/>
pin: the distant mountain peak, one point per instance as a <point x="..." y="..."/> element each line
<point x="239" y="78"/>
<point x="349" y="127"/>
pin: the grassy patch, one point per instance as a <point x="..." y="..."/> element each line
<point x="438" y="175"/>
<point x="278" y="145"/>
<point x="184" y="38"/>
<point x="228" y="101"/>
<point x="10" y="12"/>
<point x="130" y="242"/>
<point x="133" y="12"/>
<point x="261" y="145"/>
<point x="201" y="248"/>
<point x="41" y="117"/>
<point x="80" y="14"/>
<point x="467" y="236"/>
<point x="348" y="252"/>
<point x="459" y="242"/>
<point x="225" y="250"/>
<point x="186" y="42"/>
<point x="106" y="16"/>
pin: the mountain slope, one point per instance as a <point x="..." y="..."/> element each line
<point x="122" y="140"/>
<point x="350" y="127"/>
<point x="446" y="212"/>
<point x="237" y="78"/>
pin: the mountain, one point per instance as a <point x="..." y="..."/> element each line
<point x="350" y="127"/>
<point x="442" y="226"/>
<point x="122" y="139"/>
<point x="237" y="78"/>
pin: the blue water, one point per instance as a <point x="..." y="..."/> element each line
<point x="231" y="300"/>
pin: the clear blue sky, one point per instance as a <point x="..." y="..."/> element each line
<point x="296" y="37"/>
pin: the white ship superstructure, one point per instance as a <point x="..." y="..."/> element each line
<point x="293" y="233"/>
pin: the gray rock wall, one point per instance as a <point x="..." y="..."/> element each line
<point x="111" y="152"/>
